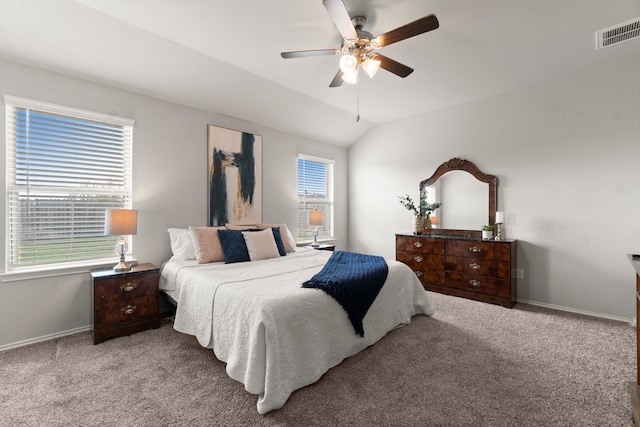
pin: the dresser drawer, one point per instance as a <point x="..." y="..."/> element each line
<point x="470" y="248"/>
<point x="125" y="287"/>
<point x="477" y="266"/>
<point x="128" y="310"/>
<point x="428" y="268"/>
<point x="478" y="284"/>
<point x="422" y="245"/>
<point x="420" y="261"/>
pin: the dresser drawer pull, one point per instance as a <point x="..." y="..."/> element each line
<point x="475" y="266"/>
<point x="475" y="283"/>
<point x="475" y="249"/>
<point x="418" y="258"/>
<point x="128" y="287"/>
<point x="418" y="273"/>
<point x="128" y="309"/>
<point x="418" y="244"/>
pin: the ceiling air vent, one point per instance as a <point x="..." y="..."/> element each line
<point x="618" y="33"/>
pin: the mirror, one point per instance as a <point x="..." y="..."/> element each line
<point x="468" y="197"/>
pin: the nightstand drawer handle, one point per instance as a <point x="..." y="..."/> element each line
<point x="474" y="283"/>
<point x="129" y="309"/>
<point x="475" y="266"/>
<point x="128" y="287"/>
<point x="418" y="258"/>
<point x="418" y="273"/>
<point x="475" y="249"/>
<point x="418" y="244"/>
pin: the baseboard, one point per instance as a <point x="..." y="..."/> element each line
<point x="44" y="338"/>
<point x="524" y="301"/>
<point x="573" y="310"/>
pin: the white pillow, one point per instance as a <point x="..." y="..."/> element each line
<point x="261" y="244"/>
<point x="287" y="238"/>
<point x="181" y="244"/>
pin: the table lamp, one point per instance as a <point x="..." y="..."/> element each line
<point x="315" y="218"/>
<point x="121" y="222"/>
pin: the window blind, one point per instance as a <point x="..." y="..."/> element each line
<point x="64" y="168"/>
<point x="315" y="191"/>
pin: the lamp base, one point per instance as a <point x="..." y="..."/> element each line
<point x="121" y="267"/>
<point x="121" y="248"/>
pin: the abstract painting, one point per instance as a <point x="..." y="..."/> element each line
<point x="235" y="176"/>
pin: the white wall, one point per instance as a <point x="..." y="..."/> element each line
<point x="567" y="155"/>
<point x="169" y="189"/>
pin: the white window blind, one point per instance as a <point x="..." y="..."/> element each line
<point x="64" y="168"/>
<point x="315" y="191"/>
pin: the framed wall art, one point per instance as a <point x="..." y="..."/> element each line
<point x="235" y="176"/>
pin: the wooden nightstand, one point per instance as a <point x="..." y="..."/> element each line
<point x="124" y="302"/>
<point x="323" y="247"/>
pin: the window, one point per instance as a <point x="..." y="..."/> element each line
<point x="64" y="168"/>
<point x="315" y="191"/>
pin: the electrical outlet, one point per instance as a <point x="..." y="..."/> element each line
<point x="519" y="273"/>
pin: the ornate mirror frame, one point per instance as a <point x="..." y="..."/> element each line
<point x="457" y="164"/>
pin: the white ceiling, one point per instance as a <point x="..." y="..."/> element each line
<point x="224" y="56"/>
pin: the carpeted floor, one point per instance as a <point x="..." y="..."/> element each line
<point x="470" y="364"/>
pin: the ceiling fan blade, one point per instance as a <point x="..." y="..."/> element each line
<point x="411" y="29"/>
<point x="305" y="53"/>
<point x="337" y="80"/>
<point x="393" y="66"/>
<point x="338" y="12"/>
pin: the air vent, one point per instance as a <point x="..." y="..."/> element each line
<point x="618" y="33"/>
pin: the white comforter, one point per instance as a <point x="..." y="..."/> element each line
<point x="274" y="335"/>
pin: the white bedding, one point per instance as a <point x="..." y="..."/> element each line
<point x="274" y="335"/>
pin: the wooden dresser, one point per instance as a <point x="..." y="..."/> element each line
<point x="467" y="267"/>
<point x="125" y="302"/>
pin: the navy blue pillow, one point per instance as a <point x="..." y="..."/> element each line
<point x="233" y="246"/>
<point x="278" y="238"/>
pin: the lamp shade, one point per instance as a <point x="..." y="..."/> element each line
<point x="351" y="77"/>
<point x="120" y="222"/>
<point x="348" y="63"/>
<point x="315" y="217"/>
<point x="371" y="66"/>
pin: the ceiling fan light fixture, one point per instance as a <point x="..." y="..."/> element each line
<point x="348" y="63"/>
<point x="371" y="66"/>
<point x="351" y="77"/>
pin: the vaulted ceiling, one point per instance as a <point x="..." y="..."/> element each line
<point x="224" y="56"/>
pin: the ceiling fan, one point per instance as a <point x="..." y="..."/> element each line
<point x="359" y="46"/>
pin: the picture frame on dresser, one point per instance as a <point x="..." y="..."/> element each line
<point x="457" y="261"/>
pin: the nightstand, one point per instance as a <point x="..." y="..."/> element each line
<point x="323" y="247"/>
<point x="125" y="302"/>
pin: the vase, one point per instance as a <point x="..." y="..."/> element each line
<point x="418" y="224"/>
<point x="487" y="234"/>
<point x="426" y="224"/>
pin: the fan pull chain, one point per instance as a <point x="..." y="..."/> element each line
<point x="357" y="103"/>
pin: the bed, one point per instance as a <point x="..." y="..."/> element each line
<point x="275" y="336"/>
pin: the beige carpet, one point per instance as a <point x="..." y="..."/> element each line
<point x="470" y="364"/>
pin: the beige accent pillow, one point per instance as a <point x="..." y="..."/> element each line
<point x="261" y="244"/>
<point x="206" y="244"/>
<point x="240" y="226"/>
<point x="287" y="238"/>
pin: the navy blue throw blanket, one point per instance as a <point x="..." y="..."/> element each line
<point x="354" y="280"/>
